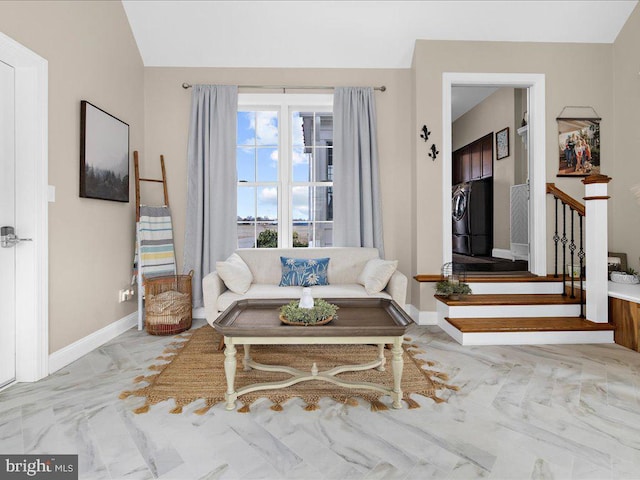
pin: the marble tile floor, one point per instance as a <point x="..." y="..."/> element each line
<point x="534" y="412"/>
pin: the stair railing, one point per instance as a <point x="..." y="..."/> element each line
<point x="564" y="201"/>
<point x="591" y="246"/>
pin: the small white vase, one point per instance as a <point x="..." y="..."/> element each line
<point x="306" y="300"/>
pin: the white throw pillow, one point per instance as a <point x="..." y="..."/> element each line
<point x="376" y="274"/>
<point x="235" y="274"/>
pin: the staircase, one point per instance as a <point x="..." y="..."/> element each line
<point x="518" y="310"/>
<point x="530" y="309"/>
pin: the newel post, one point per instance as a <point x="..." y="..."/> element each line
<point x="596" y="247"/>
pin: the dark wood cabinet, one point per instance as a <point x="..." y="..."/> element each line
<point x="476" y="161"/>
<point x="456" y="168"/>
<point x="473" y="161"/>
<point x="487" y="156"/>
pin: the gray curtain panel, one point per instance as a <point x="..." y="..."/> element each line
<point x="357" y="215"/>
<point x="210" y="233"/>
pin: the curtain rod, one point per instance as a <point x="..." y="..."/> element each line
<point x="186" y="85"/>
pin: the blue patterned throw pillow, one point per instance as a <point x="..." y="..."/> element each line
<point x="301" y="272"/>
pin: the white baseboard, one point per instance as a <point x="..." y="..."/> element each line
<point x="422" y="317"/>
<point x="198" y="312"/>
<point x="73" y="352"/>
<point x="502" y="253"/>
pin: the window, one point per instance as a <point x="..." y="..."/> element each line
<point x="285" y="171"/>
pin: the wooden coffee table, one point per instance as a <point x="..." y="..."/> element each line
<point x="375" y="321"/>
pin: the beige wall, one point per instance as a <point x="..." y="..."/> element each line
<point x="167" y="107"/>
<point x="92" y="56"/>
<point x="576" y="74"/>
<point x="624" y="208"/>
<point x="490" y="116"/>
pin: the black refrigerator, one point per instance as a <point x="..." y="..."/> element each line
<point x="472" y="217"/>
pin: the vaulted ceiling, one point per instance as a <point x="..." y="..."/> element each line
<point x="352" y="34"/>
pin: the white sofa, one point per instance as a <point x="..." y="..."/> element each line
<point x="345" y="266"/>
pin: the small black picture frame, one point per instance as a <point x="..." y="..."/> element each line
<point x="104" y="155"/>
<point x="502" y="143"/>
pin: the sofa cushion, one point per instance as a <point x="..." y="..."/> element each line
<point x="235" y="273"/>
<point x="304" y="272"/>
<point x="288" y="293"/>
<point x="376" y="274"/>
<point x="345" y="265"/>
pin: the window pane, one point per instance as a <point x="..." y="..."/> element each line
<point x="266" y="125"/>
<point x="323" y="234"/>
<point x="246" y="234"/>
<point x="267" y="235"/>
<point x="246" y="129"/>
<point x="246" y="217"/>
<point x="246" y="203"/>
<point x="300" y="201"/>
<point x="324" y="129"/>
<point x="297" y="134"/>
<point x="301" y="162"/>
<point x="267" y="164"/>
<point x="267" y="203"/>
<point x="323" y="164"/>
<point x="301" y="234"/>
<point x="245" y="157"/>
<point x="322" y="204"/>
<point x="306" y="126"/>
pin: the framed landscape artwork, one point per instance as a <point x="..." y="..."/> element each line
<point x="578" y="146"/>
<point x="502" y="144"/>
<point x="104" y="155"/>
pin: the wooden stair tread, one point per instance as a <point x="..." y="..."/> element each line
<point x="526" y="324"/>
<point x="501" y="278"/>
<point x="510" y="299"/>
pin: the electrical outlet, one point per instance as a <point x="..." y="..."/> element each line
<point x="126" y="294"/>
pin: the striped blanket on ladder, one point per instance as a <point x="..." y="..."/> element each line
<point x="154" y="253"/>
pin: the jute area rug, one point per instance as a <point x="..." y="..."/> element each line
<point x="195" y="370"/>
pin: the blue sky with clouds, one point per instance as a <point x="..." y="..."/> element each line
<point x="257" y="161"/>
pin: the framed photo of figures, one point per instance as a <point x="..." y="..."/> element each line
<point x="578" y="147"/>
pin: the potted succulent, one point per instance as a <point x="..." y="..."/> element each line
<point x="452" y="290"/>
<point x="321" y="313"/>
<point x="629" y="276"/>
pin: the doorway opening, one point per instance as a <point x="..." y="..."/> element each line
<point x="489" y="182"/>
<point x="533" y="247"/>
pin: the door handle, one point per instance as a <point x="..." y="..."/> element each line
<point x="9" y="239"/>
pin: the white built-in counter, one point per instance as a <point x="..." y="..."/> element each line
<point x="624" y="291"/>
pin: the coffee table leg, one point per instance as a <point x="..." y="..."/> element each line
<point x="381" y="357"/>
<point x="247" y="357"/>
<point x="397" y="363"/>
<point x="230" y="373"/>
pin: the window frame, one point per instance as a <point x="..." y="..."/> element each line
<point x="285" y="104"/>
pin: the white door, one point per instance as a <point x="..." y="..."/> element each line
<point x="7" y="218"/>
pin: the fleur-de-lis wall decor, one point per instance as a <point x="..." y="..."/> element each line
<point x="434" y="152"/>
<point x="425" y="133"/>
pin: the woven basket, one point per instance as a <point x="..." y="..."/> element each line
<point x="168" y="304"/>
